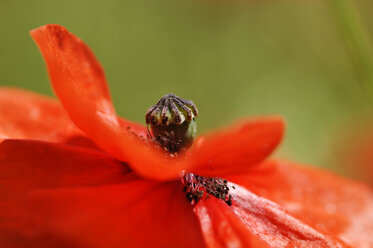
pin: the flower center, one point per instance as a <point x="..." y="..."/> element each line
<point x="172" y="122"/>
<point x="173" y="127"/>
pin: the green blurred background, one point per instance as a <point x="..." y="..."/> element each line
<point x="306" y="60"/>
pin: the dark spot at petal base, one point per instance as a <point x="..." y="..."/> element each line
<point x="197" y="188"/>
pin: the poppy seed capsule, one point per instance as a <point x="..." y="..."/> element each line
<point x="172" y="122"/>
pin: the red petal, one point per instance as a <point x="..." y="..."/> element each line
<point x="80" y="84"/>
<point x="135" y="214"/>
<point x="235" y="149"/>
<point x="222" y="228"/>
<point x="54" y="195"/>
<point x="26" y="115"/>
<point x="78" y="81"/>
<point x="327" y="202"/>
<point x="26" y="165"/>
<point x="255" y="222"/>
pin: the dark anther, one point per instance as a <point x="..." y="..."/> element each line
<point x="198" y="187"/>
<point x="229" y="201"/>
<point x="172" y="122"/>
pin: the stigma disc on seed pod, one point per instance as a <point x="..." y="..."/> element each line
<point x="172" y="121"/>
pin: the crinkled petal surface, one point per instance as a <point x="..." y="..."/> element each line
<point x="54" y="195"/>
<point x="26" y="115"/>
<point x="327" y="202"/>
<point x="79" y="82"/>
<point x="253" y="221"/>
<point x="235" y="149"/>
<point x="222" y="228"/>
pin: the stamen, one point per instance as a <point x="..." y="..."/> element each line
<point x="197" y="188"/>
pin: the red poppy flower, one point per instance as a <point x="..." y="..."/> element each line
<point x="105" y="186"/>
